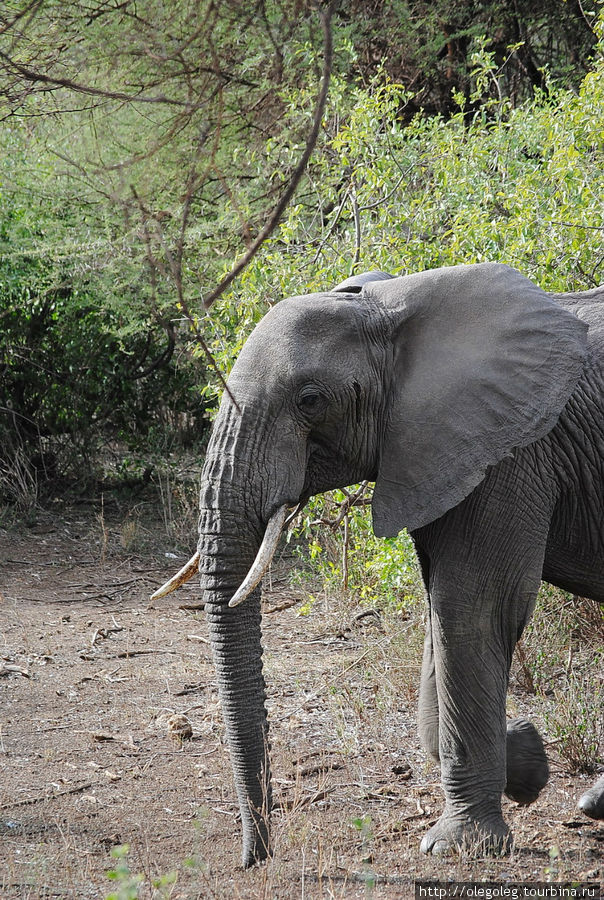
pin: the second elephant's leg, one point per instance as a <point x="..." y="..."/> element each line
<point x="592" y="801"/>
<point x="527" y="770"/>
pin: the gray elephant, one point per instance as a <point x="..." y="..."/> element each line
<point x="475" y="401"/>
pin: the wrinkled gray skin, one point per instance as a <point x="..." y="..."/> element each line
<point x="592" y="801"/>
<point x="475" y="401"/>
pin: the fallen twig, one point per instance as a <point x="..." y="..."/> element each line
<point x="106" y="736"/>
<point x="126" y="654"/>
<point x="40" y="798"/>
<point x="325" y="766"/>
<point x="10" y="669"/>
<point x="317" y="797"/>
<point x="105" y="632"/>
<point x="287" y="604"/>
<point x="189" y="689"/>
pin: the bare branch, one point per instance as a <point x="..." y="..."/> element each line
<point x="54" y="82"/>
<point x="281" y="206"/>
<point x="30" y="8"/>
<point x="332" y="226"/>
<point x="164" y="357"/>
<point x="175" y="264"/>
<point x="357" y="227"/>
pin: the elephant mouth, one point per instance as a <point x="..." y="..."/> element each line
<point x="278" y="521"/>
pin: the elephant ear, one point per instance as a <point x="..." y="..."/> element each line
<point x="483" y="362"/>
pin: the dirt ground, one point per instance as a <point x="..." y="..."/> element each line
<point x="96" y="682"/>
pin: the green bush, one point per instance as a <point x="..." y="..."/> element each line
<point x="348" y="559"/>
<point x="84" y="360"/>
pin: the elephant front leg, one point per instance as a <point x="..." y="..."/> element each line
<point x="527" y="769"/>
<point x="471" y="676"/>
<point x="486" y="559"/>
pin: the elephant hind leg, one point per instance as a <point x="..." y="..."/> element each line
<point x="527" y="770"/>
<point x="428" y="699"/>
<point x="592" y="801"/>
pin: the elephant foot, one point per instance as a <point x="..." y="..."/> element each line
<point x="527" y="770"/>
<point x="251" y="856"/>
<point x="256" y="840"/>
<point x="454" y="834"/>
<point x="592" y="801"/>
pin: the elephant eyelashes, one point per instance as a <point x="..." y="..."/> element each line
<point x="311" y="403"/>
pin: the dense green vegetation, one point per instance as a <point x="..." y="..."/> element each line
<point x="143" y="148"/>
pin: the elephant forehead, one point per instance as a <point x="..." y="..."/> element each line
<point x="303" y="333"/>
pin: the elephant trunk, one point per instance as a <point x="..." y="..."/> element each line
<point x="242" y="513"/>
<point x="231" y="529"/>
<point x="236" y="646"/>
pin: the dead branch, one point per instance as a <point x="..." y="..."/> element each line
<point x="30" y="8"/>
<point x="40" y="798"/>
<point x="289" y="192"/>
<point x="350" y="500"/>
<point x="10" y="669"/>
<point x="103" y="633"/>
<point x="55" y="82"/>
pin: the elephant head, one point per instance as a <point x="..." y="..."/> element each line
<point x="418" y="383"/>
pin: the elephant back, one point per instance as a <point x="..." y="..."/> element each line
<point x="356" y="283"/>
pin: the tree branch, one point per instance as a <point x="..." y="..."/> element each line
<point x="287" y="195"/>
<point x="164" y="357"/>
<point x="357" y="227"/>
<point x="55" y="83"/>
<point x="30" y="8"/>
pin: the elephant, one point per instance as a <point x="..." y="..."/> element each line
<point x="475" y="402"/>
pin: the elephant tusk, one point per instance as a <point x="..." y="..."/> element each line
<point x="263" y="557"/>
<point x="182" y="576"/>
<point x="295" y="512"/>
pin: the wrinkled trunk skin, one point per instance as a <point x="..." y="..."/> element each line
<point x="235" y="637"/>
<point x="230" y="533"/>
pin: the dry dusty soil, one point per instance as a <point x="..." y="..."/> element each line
<point x="110" y="735"/>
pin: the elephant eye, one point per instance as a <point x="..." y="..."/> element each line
<point x="310" y="402"/>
